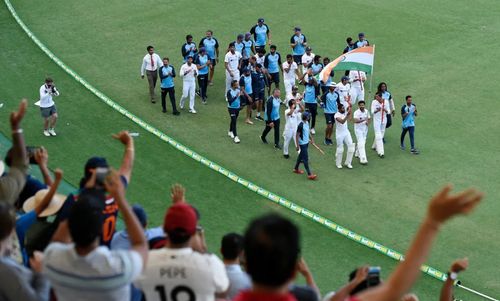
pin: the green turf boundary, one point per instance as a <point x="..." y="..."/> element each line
<point x="195" y="156"/>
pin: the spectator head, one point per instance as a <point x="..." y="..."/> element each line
<point x="231" y="246"/>
<point x="86" y="217"/>
<point x="141" y="215"/>
<point x="272" y="247"/>
<point x="150" y="49"/>
<point x="49" y="81"/>
<point x="239" y="37"/>
<point x="189" y="38"/>
<point x="260" y="21"/>
<point x="91" y="165"/>
<point x="7" y="221"/>
<point x="408" y="99"/>
<point x="180" y="223"/>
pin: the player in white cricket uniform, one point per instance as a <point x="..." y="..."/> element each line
<point x="188" y="72"/>
<point x="232" y="62"/>
<point x="357" y="79"/>
<point x="361" y="122"/>
<point x="343" y="135"/>
<point x="292" y="115"/>
<point x="307" y="59"/>
<point x="290" y="71"/>
<point x="344" y="90"/>
<point x="380" y="107"/>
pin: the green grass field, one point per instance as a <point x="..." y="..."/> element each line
<point x="432" y="50"/>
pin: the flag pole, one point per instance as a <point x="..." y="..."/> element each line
<point x="371" y="75"/>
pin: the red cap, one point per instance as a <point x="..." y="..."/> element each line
<point x="180" y="217"/>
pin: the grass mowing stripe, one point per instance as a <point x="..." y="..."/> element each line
<point x="279" y="200"/>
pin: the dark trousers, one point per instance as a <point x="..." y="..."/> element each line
<point x="411" y="130"/>
<point x="152" y="78"/>
<point x="303" y="158"/>
<point x="313" y="109"/>
<point x="276" y="131"/>
<point x="389" y="121"/>
<point x="203" y="84"/>
<point x="171" y="95"/>
<point x="233" y="113"/>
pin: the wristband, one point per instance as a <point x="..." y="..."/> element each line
<point x="130" y="148"/>
<point x="453" y="276"/>
<point x="18" y="131"/>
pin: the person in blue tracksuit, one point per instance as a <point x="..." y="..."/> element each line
<point x="310" y="96"/>
<point x="259" y="89"/>
<point x="331" y="100"/>
<point x="167" y="74"/>
<point x="203" y="64"/>
<point x="247" y="93"/>
<point x="189" y="48"/>
<point x="408" y="113"/>
<point x="298" y="42"/>
<point x="303" y="137"/>
<point x="261" y="34"/>
<point x="212" y="47"/>
<point x="272" y="118"/>
<point x="233" y="107"/>
<point x="272" y="63"/>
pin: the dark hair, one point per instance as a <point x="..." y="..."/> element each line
<point x="348" y="40"/>
<point x="379" y="87"/>
<point x="289" y="56"/>
<point x="233" y="82"/>
<point x="166" y="58"/>
<point x="290" y="102"/>
<point x="378" y="94"/>
<point x="85" y="217"/>
<point x="407" y="96"/>
<point x="7" y="220"/>
<point x="189" y="37"/>
<point x="210" y="31"/>
<point x="231" y="44"/>
<point x="48" y="80"/>
<point x="361" y="101"/>
<point x="149" y="47"/>
<point x="272" y="47"/>
<point x="271" y="249"/>
<point x="261" y="50"/>
<point x="178" y="236"/>
<point x="231" y="246"/>
<point x="363" y="285"/>
<point x="316" y="57"/>
<point x="340" y="105"/>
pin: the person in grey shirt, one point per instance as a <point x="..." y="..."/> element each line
<point x="18" y="282"/>
<point x="13" y="182"/>
<point x="232" y="249"/>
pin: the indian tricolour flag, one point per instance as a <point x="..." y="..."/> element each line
<point x="358" y="59"/>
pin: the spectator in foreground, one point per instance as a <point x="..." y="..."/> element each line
<point x="13" y="182"/>
<point x="232" y="250"/>
<point x="457" y="266"/>
<point x="178" y="269"/>
<point x="18" y="282"/>
<point x="308" y="292"/>
<point x="85" y="269"/>
<point x="442" y="207"/>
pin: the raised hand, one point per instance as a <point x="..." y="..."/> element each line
<point x="41" y="156"/>
<point x="444" y="205"/>
<point x="124" y="137"/>
<point x="177" y="193"/>
<point x="459" y="265"/>
<point x="17" y="117"/>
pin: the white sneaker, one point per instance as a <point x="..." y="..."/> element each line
<point x="230" y="134"/>
<point x="46" y="133"/>
<point x="192" y="111"/>
<point x="52" y="132"/>
<point x="181" y="105"/>
<point x="236" y="139"/>
<point x="339" y="166"/>
<point x="348" y="166"/>
<point x="313" y="131"/>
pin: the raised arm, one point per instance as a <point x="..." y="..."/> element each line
<point x="42" y="158"/>
<point x="52" y="191"/>
<point x="447" y="289"/>
<point x="443" y="206"/>
<point x="128" y="155"/>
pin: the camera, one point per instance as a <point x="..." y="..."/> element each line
<point x="373" y="278"/>
<point x="100" y="175"/>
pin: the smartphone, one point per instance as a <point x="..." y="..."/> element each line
<point x="100" y="175"/>
<point x="373" y="278"/>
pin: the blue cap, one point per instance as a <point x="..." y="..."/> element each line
<point x="306" y="115"/>
<point x="141" y="214"/>
<point x="297" y="28"/>
<point x="245" y="70"/>
<point x="240" y="36"/>
<point x="260" y="20"/>
<point x="345" y="78"/>
<point x="202" y="49"/>
<point x="361" y="34"/>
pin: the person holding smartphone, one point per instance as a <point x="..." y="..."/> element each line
<point x="48" y="107"/>
<point x="408" y="113"/>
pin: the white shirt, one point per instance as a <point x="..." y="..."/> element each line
<point x="361" y="126"/>
<point x="146" y="63"/>
<point x="232" y="60"/>
<point x="191" y="75"/>
<point x="355" y="74"/>
<point x="292" y="121"/>
<point x="100" y="275"/>
<point x="170" y="270"/>
<point x="46" y="94"/>
<point x="307" y="59"/>
<point x="290" y="75"/>
<point x="340" y="128"/>
<point x="343" y="91"/>
<point x="379" y="117"/>
<point x="260" y="60"/>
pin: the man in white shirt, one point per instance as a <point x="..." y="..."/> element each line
<point x="48" y="107"/>
<point x="343" y="135"/>
<point x="83" y="270"/>
<point x="380" y="107"/>
<point x="357" y="79"/>
<point x="307" y="59"/>
<point x="361" y="122"/>
<point x="344" y="90"/>
<point x="290" y="71"/>
<point x="292" y="119"/>
<point x="232" y="62"/>
<point x="150" y="64"/>
<point x="178" y="270"/>
<point x="188" y="72"/>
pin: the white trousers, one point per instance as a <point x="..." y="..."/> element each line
<point x="289" y="83"/>
<point x="347" y="140"/>
<point x="188" y="89"/>
<point x="378" y="142"/>
<point x="360" y="144"/>
<point x="229" y="78"/>
<point x="289" y="134"/>
<point x="356" y="95"/>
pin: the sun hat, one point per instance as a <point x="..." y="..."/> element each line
<point x="53" y="207"/>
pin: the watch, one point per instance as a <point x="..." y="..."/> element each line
<point x="452" y="275"/>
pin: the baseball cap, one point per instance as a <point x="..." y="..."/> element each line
<point x="308" y="48"/>
<point x="240" y="36"/>
<point x="180" y="218"/>
<point x="247" y="35"/>
<point x="361" y="34"/>
<point x="260" y="20"/>
<point x="306" y="115"/>
<point x="202" y="49"/>
<point x="140" y="214"/>
<point x="297" y="28"/>
<point x="345" y="78"/>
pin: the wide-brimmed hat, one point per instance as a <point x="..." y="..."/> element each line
<point x="53" y="207"/>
